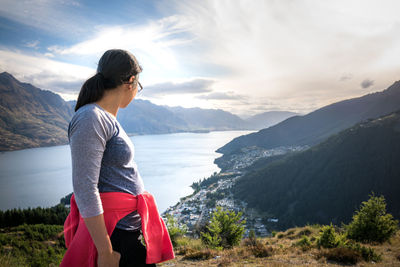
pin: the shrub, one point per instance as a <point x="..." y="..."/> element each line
<point x="259" y="250"/>
<point x="342" y="254"/>
<point x="175" y="231"/>
<point x="368" y="254"/>
<point x="290" y="232"/>
<point x="225" y="230"/>
<point x="371" y="222"/>
<point x="328" y="238"/>
<point x="306" y="231"/>
<point x="304" y="243"/>
<point x="252" y="240"/>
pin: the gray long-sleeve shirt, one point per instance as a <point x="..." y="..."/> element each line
<point x="102" y="161"/>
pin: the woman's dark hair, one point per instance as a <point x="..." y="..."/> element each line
<point x="115" y="67"/>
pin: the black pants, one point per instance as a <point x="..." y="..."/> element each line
<point x="128" y="244"/>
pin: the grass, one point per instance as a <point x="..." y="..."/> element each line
<point x="293" y="247"/>
<point x="41" y="245"/>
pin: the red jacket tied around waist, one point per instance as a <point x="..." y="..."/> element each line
<point x="116" y="205"/>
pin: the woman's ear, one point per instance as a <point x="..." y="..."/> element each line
<point x="130" y="83"/>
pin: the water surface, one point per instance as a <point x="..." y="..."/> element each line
<point x="168" y="163"/>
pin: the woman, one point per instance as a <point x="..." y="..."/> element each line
<point x="103" y="162"/>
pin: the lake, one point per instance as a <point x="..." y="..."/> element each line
<point x="168" y="164"/>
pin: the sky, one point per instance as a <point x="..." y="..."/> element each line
<point x="245" y="57"/>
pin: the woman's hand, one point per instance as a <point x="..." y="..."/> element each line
<point x="97" y="229"/>
<point x="108" y="259"/>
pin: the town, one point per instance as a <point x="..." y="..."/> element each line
<point x="195" y="210"/>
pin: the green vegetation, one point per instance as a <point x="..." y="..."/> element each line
<point x="293" y="248"/>
<point x="32" y="245"/>
<point x="53" y="215"/>
<point x="327" y="182"/>
<point x="222" y="239"/>
<point x="328" y="238"/>
<point x="66" y="200"/>
<point x="304" y="243"/>
<point x="221" y="243"/>
<point x="204" y="183"/>
<point x="175" y="231"/>
<point x="225" y="229"/>
<point x="371" y="222"/>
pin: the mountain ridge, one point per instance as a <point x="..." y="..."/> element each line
<point x="340" y="172"/>
<point x="318" y="125"/>
<point x="29" y="116"/>
<point x="32" y="117"/>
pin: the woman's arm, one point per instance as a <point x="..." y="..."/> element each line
<point x="88" y="134"/>
<point x="98" y="232"/>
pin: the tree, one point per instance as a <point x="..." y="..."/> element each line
<point x="371" y="222"/>
<point x="225" y="229"/>
<point x="174" y="229"/>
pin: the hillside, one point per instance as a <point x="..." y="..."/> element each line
<point x="327" y="182"/>
<point x="29" y="116"/>
<point x="268" y="119"/>
<point x="322" y="123"/>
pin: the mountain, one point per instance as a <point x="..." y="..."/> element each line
<point x="320" y="124"/>
<point x="144" y="117"/>
<point x="29" y="116"/>
<point x="270" y="118"/>
<point x="72" y="104"/>
<point x="211" y="119"/>
<point x="328" y="181"/>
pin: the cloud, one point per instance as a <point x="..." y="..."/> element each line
<point x="346" y="77"/>
<point x="49" y="80"/>
<point x="195" y="86"/>
<point x="155" y="44"/>
<point x="33" y="44"/>
<point x="367" y="83"/>
<point x="277" y="51"/>
<point x="43" y="72"/>
<point x="154" y="36"/>
<point x="222" y="96"/>
<point x="283" y="51"/>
